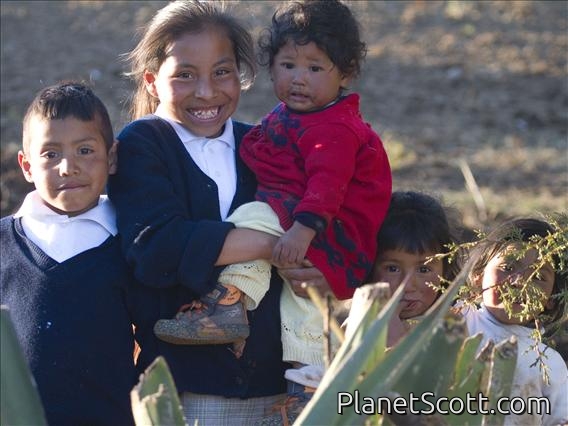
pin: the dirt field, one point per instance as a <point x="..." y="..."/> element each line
<point x="485" y="82"/>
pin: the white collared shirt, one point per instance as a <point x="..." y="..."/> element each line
<point x="528" y="380"/>
<point x="62" y="237"/>
<point x="214" y="156"/>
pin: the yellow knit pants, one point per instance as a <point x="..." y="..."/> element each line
<point x="302" y="323"/>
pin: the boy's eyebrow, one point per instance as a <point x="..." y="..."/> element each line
<point x="76" y="141"/>
<point x="85" y="139"/>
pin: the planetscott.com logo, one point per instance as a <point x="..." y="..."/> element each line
<point x="427" y="403"/>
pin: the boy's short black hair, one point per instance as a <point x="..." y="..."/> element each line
<point x="328" y="23"/>
<point x="68" y="99"/>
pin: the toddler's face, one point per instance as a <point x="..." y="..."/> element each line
<point x="304" y="77"/>
<point x="68" y="163"/>
<point x="503" y="271"/>
<point x="394" y="266"/>
<point x="198" y="84"/>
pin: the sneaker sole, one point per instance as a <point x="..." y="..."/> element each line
<point x="231" y="335"/>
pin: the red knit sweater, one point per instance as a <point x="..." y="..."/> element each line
<point x="329" y="163"/>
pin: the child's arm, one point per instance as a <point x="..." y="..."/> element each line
<point x="291" y="248"/>
<point x="242" y="245"/>
<point x="328" y="166"/>
<point x="162" y="215"/>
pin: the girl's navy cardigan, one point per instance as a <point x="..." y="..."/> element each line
<point x="168" y="216"/>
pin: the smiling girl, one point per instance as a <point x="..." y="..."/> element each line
<point x="180" y="175"/>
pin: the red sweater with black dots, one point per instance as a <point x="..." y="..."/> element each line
<point x="329" y="165"/>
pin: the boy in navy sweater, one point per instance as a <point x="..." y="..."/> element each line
<point x="62" y="273"/>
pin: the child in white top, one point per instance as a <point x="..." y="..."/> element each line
<point x="506" y="273"/>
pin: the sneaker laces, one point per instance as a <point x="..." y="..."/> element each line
<point x="193" y="308"/>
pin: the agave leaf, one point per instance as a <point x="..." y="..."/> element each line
<point x="368" y="297"/>
<point x="432" y="375"/>
<point x="413" y="343"/>
<point x="380" y="381"/>
<point x="502" y="370"/>
<point x="350" y="364"/>
<point x="20" y="401"/>
<point x="466" y="361"/>
<point x="366" y="307"/>
<point x="485" y="356"/>
<point x="467" y="379"/>
<point x="155" y="399"/>
<point x="435" y="371"/>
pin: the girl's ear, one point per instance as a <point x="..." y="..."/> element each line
<point x="113" y="158"/>
<point x="150" y="82"/>
<point x="25" y="166"/>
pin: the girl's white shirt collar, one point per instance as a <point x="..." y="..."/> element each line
<point x="214" y="156"/>
<point x="517" y="329"/>
<point x="187" y="136"/>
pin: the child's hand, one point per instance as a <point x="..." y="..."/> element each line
<point x="291" y="248"/>
<point x="307" y="274"/>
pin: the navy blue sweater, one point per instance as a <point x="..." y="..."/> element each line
<point x="73" y="323"/>
<point x="168" y="216"/>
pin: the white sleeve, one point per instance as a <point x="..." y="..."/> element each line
<point x="557" y="392"/>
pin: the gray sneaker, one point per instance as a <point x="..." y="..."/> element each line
<point x="205" y="323"/>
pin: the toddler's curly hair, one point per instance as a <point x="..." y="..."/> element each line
<point x="328" y="23"/>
